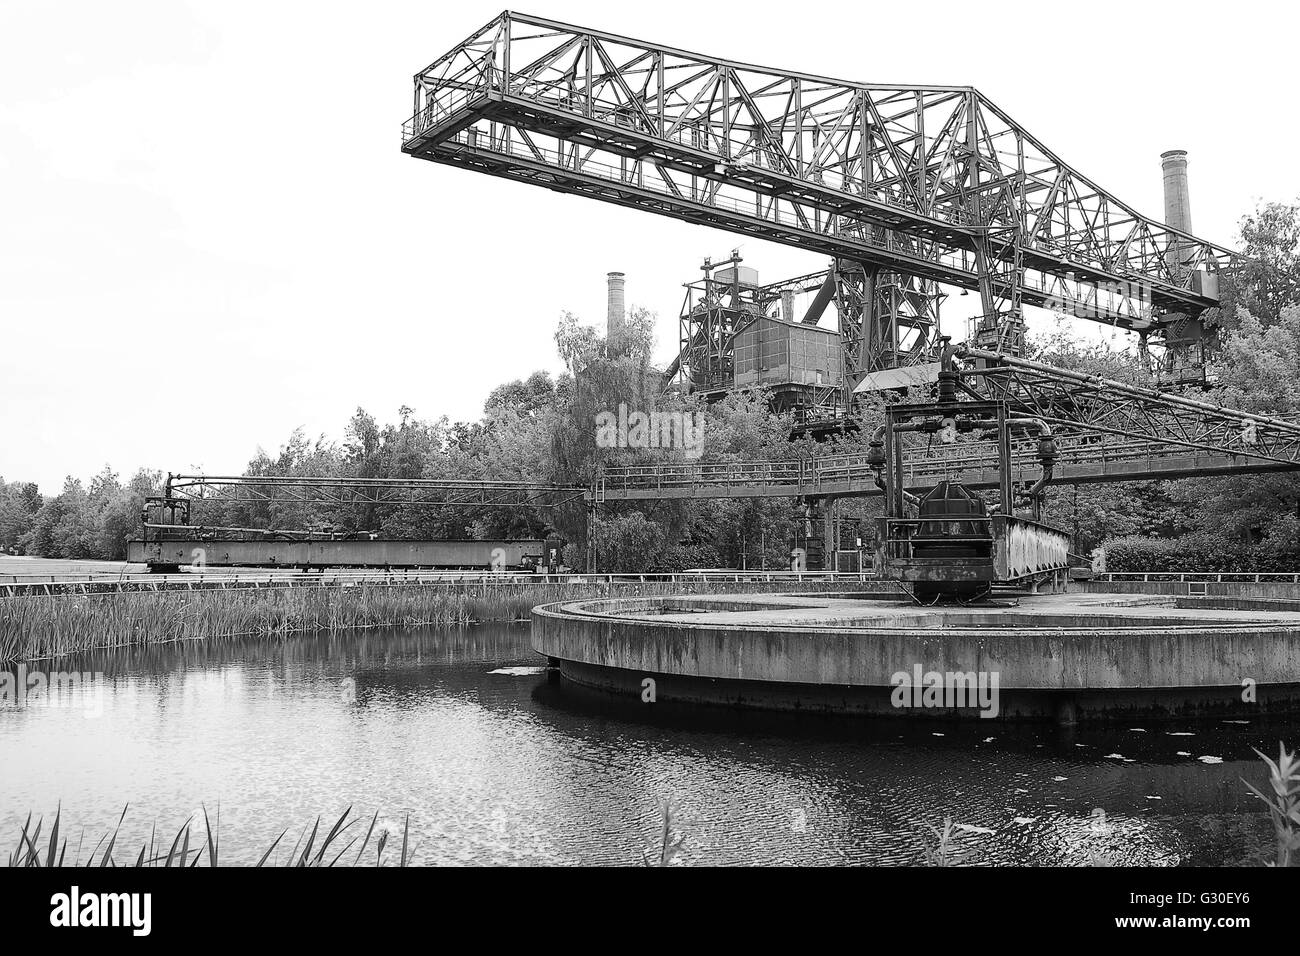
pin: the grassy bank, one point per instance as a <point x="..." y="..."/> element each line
<point x="41" y="627"/>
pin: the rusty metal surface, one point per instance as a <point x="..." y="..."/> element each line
<point x="1023" y="548"/>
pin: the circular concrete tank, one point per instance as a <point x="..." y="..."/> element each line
<point x="1062" y="657"/>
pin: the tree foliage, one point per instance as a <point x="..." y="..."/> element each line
<point x="1240" y="522"/>
<point x="542" y="428"/>
<point x="92" y="522"/>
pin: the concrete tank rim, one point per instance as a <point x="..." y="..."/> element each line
<point x="574" y="610"/>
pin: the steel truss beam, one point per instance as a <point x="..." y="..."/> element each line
<point x="1105" y="431"/>
<point x="936" y="183"/>
<point x="1082" y="404"/>
<point x="366" y="491"/>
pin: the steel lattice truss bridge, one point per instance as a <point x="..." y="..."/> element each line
<point x="180" y="508"/>
<point x="903" y="186"/>
<point x="1105" y="431"/>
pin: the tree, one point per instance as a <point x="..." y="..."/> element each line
<point x="92" y="522"/>
<point x="19" y="503"/>
<point x="629" y="543"/>
<point x="1255" y="519"/>
<point x="522" y="397"/>
<point x="1268" y="279"/>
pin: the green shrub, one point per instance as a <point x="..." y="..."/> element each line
<point x="1200" y="552"/>
<point x="686" y="557"/>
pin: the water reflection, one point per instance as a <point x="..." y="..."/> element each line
<point x="495" y="765"/>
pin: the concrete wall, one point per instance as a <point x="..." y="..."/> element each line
<point x="1224" y="589"/>
<point x="1045" y="658"/>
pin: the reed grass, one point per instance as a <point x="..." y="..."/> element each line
<point x="1283" y="802"/>
<point x="670" y="839"/>
<point x="313" y="848"/>
<point x="940" y="853"/>
<point x="42" y="627"/>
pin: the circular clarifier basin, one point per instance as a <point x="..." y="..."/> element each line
<point x="1061" y="657"/>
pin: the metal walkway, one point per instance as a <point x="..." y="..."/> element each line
<point x="1082" y="462"/>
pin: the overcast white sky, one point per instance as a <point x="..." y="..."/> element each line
<point x="209" y="235"/>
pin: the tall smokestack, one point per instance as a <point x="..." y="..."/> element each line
<point x="615" y="315"/>
<point x="1178" y="203"/>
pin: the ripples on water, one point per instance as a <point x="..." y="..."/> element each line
<point x="495" y="766"/>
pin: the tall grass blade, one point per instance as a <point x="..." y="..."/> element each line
<point x="107" y="858"/>
<point x="171" y="854"/>
<point x="311" y="840"/>
<point x="369" y="830"/>
<point x="267" y="855"/>
<point x="212" y="840"/>
<point x="334" y="832"/>
<point x="54" y="836"/>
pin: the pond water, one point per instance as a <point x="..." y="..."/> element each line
<point x="460" y="730"/>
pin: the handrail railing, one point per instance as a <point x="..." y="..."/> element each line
<point x="1190" y="577"/>
<point x="15" y="585"/>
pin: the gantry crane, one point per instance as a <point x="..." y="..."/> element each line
<point x="904" y="187"/>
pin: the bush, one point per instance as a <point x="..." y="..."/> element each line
<point x="628" y="543"/>
<point x="1201" y="552"/>
<point x="685" y="557"/>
